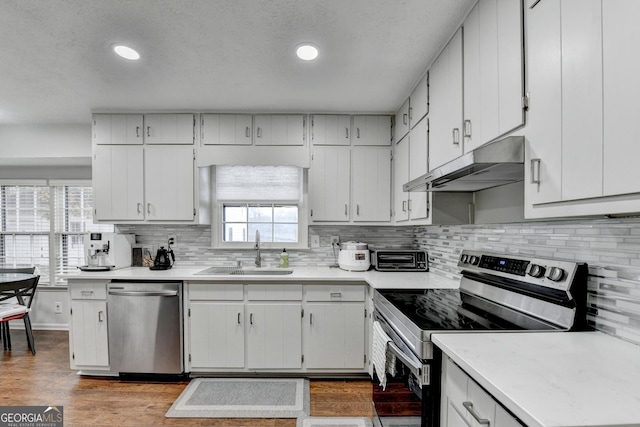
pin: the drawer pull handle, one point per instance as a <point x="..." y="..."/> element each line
<point x="469" y="407"/>
<point x="336" y="295"/>
<point x="86" y="293"/>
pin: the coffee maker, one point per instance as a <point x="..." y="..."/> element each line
<point x="107" y="251"/>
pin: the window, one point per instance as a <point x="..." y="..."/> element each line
<point x="268" y="199"/>
<point x="44" y="225"/>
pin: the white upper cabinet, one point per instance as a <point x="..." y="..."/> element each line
<point x="169" y="183"/>
<point x="581" y="146"/>
<point x="327" y="129"/>
<point x="169" y="128"/>
<point x="117" y="129"/>
<point x="329" y="183"/>
<point x="621" y="68"/>
<point x="371" y="184"/>
<point x="118" y="182"/>
<point x="445" y="104"/>
<point x="401" y="122"/>
<point x="401" y="177"/>
<point x="371" y="130"/>
<point x="226" y="129"/>
<point x="279" y="129"/>
<point x="419" y="101"/>
<point x="493" y="71"/>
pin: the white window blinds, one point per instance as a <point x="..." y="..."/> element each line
<point x="73" y="219"/>
<point x="259" y="183"/>
<point x="25" y="221"/>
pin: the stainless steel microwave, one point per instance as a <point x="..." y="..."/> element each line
<point x="399" y="260"/>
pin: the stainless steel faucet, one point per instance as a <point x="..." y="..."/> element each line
<point x="257" y="248"/>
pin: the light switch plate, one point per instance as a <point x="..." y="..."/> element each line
<point x="315" y="241"/>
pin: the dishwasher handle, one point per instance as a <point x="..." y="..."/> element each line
<point x="144" y="293"/>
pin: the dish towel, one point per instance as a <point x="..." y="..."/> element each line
<point x="383" y="360"/>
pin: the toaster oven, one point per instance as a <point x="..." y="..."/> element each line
<point x="400" y="260"/>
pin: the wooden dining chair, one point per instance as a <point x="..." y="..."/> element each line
<point x="23" y="291"/>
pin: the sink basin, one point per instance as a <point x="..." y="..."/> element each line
<point x="234" y="271"/>
<point x="262" y="272"/>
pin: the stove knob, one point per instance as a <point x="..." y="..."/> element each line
<point x="473" y="260"/>
<point x="555" y="274"/>
<point x="464" y="259"/>
<point x="536" y="271"/>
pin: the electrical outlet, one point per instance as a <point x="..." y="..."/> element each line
<point x="58" y="307"/>
<point x="335" y="240"/>
<point x="172" y="239"/>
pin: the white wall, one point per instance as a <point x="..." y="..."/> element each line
<point x="45" y="151"/>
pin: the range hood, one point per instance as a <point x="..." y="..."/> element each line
<point x="496" y="163"/>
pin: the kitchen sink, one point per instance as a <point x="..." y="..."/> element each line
<point x="234" y="271"/>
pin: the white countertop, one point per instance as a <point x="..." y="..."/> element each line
<point x="554" y="379"/>
<point x="376" y="279"/>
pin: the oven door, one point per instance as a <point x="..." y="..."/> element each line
<point x="422" y="380"/>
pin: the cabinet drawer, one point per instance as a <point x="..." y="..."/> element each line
<point x="210" y="291"/>
<point x="334" y="292"/>
<point x="274" y="292"/>
<point x="88" y="290"/>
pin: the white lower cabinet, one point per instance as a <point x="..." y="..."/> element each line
<point x="465" y="404"/>
<point x="334" y="327"/>
<point x="275" y="327"/>
<point x="274" y="339"/>
<point x="88" y="332"/>
<point x="217" y="335"/>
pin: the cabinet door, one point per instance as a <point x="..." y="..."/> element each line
<point x="371" y="184"/>
<point x="226" y="129"/>
<point x="371" y="130"/>
<point x="169" y="128"/>
<point x="169" y="183"/>
<point x="330" y="129"/>
<point x="118" y="186"/>
<point x="334" y="336"/>
<point x="401" y="177"/>
<point x="117" y="129"/>
<point x="279" y="129"/>
<point x="217" y="335"/>
<point x="90" y="336"/>
<point x="274" y="336"/>
<point x="419" y="101"/>
<point x="418" y="152"/>
<point x="445" y="105"/>
<point x="329" y="178"/>
<point x="621" y="110"/>
<point x="581" y="22"/>
<point x="543" y="166"/>
<point x="401" y="127"/>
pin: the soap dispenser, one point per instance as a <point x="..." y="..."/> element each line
<point x="284" y="259"/>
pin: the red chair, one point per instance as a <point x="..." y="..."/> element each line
<point x="21" y="291"/>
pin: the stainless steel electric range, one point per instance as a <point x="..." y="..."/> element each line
<point x="497" y="292"/>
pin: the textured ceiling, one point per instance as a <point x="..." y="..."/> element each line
<point x="208" y="55"/>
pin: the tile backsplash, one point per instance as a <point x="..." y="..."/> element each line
<point x="194" y="244"/>
<point x="611" y="247"/>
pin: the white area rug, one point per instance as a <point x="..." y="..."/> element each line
<point x="396" y="422"/>
<point x="243" y="398"/>
<point x="333" y="422"/>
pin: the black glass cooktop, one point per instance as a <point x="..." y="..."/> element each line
<point x="443" y="310"/>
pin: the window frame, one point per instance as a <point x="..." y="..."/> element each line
<point x="217" y="223"/>
<point x="53" y="233"/>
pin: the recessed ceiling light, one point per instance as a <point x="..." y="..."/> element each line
<point x="126" y="52"/>
<point x="307" y="52"/>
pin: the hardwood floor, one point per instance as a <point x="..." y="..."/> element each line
<point x="46" y="380"/>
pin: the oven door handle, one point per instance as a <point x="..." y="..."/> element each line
<point x="420" y="371"/>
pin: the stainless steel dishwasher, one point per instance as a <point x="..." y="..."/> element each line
<point x="145" y="327"/>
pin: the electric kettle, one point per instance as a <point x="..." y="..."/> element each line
<point x="164" y="259"/>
